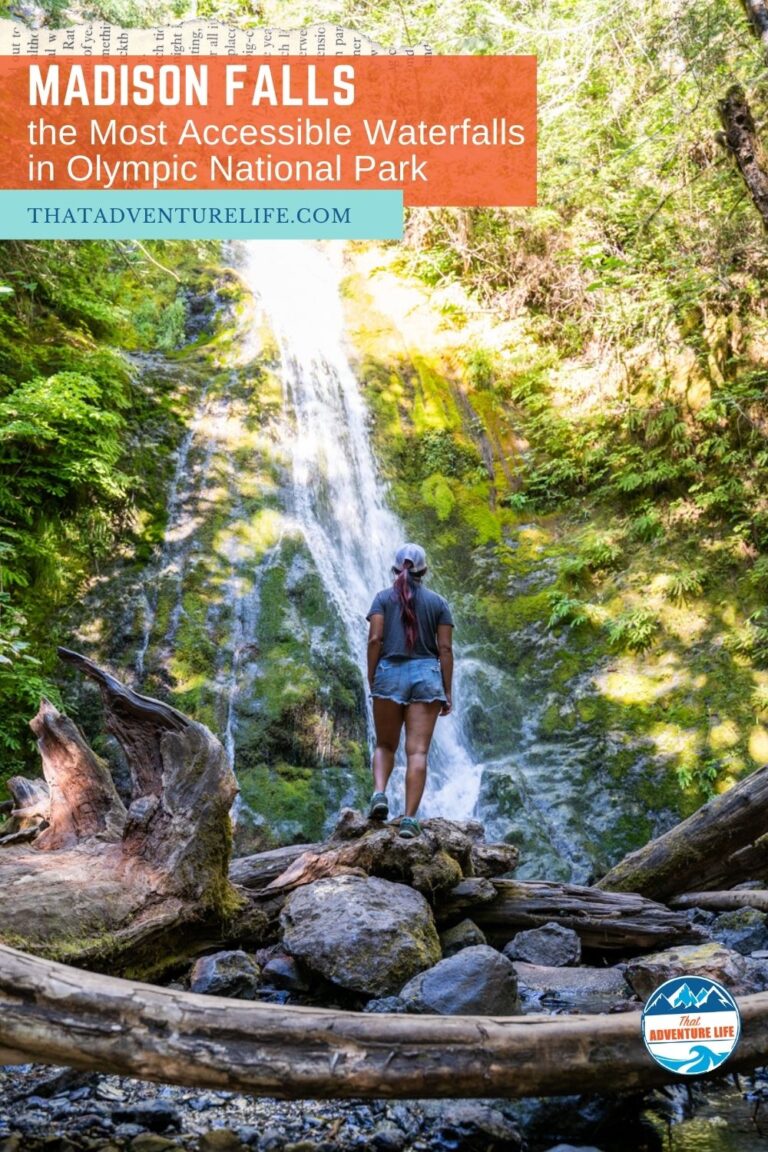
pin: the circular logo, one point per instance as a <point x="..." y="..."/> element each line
<point x="690" y="1024"/>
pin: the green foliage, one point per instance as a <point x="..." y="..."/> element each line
<point x="634" y="629"/>
<point x="685" y="583"/>
<point x="701" y="775"/>
<point x="71" y="423"/>
<point x="567" y="610"/>
<point x="437" y="493"/>
<point x="752" y="639"/>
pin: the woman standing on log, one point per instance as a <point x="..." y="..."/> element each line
<point x="410" y="669"/>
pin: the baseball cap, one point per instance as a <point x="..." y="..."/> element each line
<point x="413" y="552"/>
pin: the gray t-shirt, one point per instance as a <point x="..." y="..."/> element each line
<point x="430" y="610"/>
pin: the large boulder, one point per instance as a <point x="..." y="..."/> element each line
<point x="713" y="961"/>
<point x="363" y="933"/>
<point x="551" y="945"/>
<point x="476" y="981"/>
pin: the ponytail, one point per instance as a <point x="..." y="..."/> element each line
<point x="405" y="582"/>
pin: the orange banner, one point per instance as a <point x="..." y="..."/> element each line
<point x="448" y="130"/>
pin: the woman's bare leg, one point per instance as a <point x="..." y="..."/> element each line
<point x="388" y="721"/>
<point x="420" y="719"/>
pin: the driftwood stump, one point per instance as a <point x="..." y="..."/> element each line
<point x="107" y="886"/>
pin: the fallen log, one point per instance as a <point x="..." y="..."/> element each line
<point x="608" y="921"/>
<point x="447" y="853"/>
<point x="724" y="901"/>
<point x="53" y="1014"/>
<point x="107" y="886"/>
<point x="716" y="847"/>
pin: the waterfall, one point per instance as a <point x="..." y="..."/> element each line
<point x="338" y="499"/>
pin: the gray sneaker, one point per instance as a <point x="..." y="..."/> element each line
<point x="379" y="807"/>
<point x="409" y="828"/>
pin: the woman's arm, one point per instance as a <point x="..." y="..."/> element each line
<point x="375" y="640"/>
<point x="445" y="650"/>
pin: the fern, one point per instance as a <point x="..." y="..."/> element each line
<point x="684" y="584"/>
<point x="633" y="630"/>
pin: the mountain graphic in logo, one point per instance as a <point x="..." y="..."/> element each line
<point x="702" y="995"/>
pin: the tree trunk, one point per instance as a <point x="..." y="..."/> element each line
<point x="757" y="13"/>
<point x="47" y="1009"/>
<point x="741" y="138"/>
<point x="715" y="847"/>
<point x="606" y="921"/>
<point x="107" y="887"/>
<point x="724" y="901"/>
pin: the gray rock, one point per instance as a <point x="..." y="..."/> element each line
<point x="388" y="1138"/>
<point x="233" y="974"/>
<point x="744" y="929"/>
<point x="155" y="1115"/>
<point x="477" y="1120"/>
<point x="363" y="933"/>
<point x="573" y="1148"/>
<point x="220" y="1140"/>
<point x="283" y="972"/>
<point x="551" y="945"/>
<point x="463" y="935"/>
<point x="713" y="961"/>
<point x="384" y="1005"/>
<point x="476" y="981"/>
<point x="543" y="989"/>
<point x="150" y="1142"/>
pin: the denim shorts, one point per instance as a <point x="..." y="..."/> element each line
<point x="410" y="680"/>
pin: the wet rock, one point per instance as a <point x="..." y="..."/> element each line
<point x="544" y="989"/>
<point x="156" y="1115"/>
<point x="462" y="935"/>
<point x="220" y="1140"/>
<point x="475" y="981"/>
<point x="128" y="1131"/>
<point x="388" y="1138"/>
<point x="233" y="974"/>
<point x="713" y="961"/>
<point x="363" y="933"/>
<point x="551" y="946"/>
<point x="384" y="1005"/>
<point x="744" y="930"/>
<point x="573" y="1148"/>
<point x="283" y="972"/>
<point x="471" y="1124"/>
<point x="249" y="1135"/>
<point x="151" y="1142"/>
<point x="758" y="972"/>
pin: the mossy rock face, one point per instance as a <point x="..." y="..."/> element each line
<point x="218" y="607"/>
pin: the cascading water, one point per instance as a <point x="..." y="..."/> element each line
<point x="275" y="490"/>
<point x="337" y="496"/>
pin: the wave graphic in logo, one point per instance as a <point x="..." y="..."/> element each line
<point x="699" y="1059"/>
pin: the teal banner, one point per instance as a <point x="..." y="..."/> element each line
<point x="201" y="215"/>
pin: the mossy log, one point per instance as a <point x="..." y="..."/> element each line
<point x="107" y="886"/>
<point x="720" y="845"/>
<point x="608" y="921"/>
<point x="46" y="1009"/>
